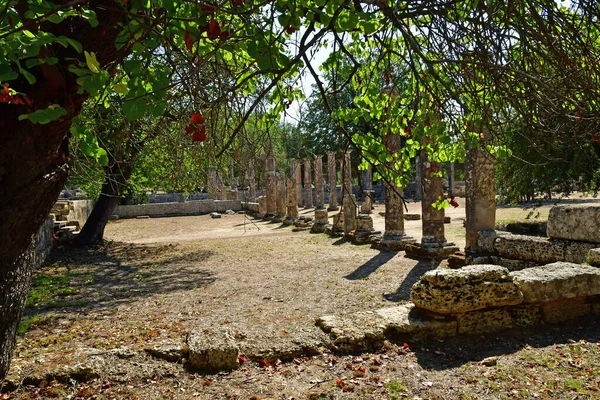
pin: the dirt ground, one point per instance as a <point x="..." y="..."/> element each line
<point x="156" y="279"/>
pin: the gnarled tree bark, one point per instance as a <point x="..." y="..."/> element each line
<point x="34" y="158"/>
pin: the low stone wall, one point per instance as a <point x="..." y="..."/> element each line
<point x="473" y="300"/>
<point x="522" y="251"/>
<point x="74" y="212"/>
<point x="250" y="207"/>
<point x="174" y="209"/>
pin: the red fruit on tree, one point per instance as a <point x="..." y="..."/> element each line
<point x="213" y="29"/>
<point x="189" y="42"/>
<point x="290" y="29"/>
<point x="199" y="135"/>
<point x="197" y="118"/>
<point x="190" y="129"/>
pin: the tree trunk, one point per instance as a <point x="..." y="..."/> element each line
<point x="110" y="196"/>
<point x="34" y="158"/>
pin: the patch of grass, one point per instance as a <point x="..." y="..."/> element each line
<point x="396" y="390"/>
<point x="47" y="287"/>
<point x="574" y="384"/>
<point x="27" y="323"/>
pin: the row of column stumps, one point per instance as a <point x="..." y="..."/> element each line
<point x="480" y="198"/>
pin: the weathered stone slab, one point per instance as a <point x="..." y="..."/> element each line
<point x="470" y="288"/>
<point x="565" y="310"/>
<point x="560" y="280"/>
<point x="575" y="222"/>
<point x="406" y="321"/>
<point x="486" y="240"/>
<point x="212" y="350"/>
<point x="529" y="248"/>
<point x="484" y="321"/>
<point x="576" y="252"/>
<point x="168" y="350"/>
<point x="508" y="263"/>
<point x="594" y="257"/>
<point x="526" y="314"/>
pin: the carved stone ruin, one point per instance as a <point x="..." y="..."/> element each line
<point x="297" y="174"/>
<point x="394" y="238"/>
<point x="480" y="195"/>
<point x="433" y="242"/>
<point x="319" y="184"/>
<point x="232" y="181"/>
<point x="211" y="183"/>
<point x="271" y="184"/>
<point x="367" y="180"/>
<point x="349" y="208"/>
<point x="251" y="181"/>
<point x="308" y="198"/>
<point x="332" y="176"/>
<point x="281" y="201"/>
<point x="292" y="202"/>
<point x="321" y="221"/>
<point x="262" y="206"/>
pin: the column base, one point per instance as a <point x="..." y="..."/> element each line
<point x="289" y="221"/>
<point x="392" y="241"/>
<point x="333" y="208"/>
<point x="363" y="236"/>
<point x="277" y="218"/>
<point x="431" y="251"/>
<point x="320" y="228"/>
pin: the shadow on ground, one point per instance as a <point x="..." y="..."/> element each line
<point x="371" y="266"/>
<point x="413" y="276"/>
<point x="118" y="273"/>
<point x="460" y="350"/>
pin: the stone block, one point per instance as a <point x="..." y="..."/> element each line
<point x="576" y="252"/>
<point x="212" y="350"/>
<point x="470" y="288"/>
<point x="410" y="323"/>
<point x="575" y="222"/>
<point x="486" y="240"/>
<point x="508" y="263"/>
<point x="565" y="309"/>
<point x="556" y="281"/>
<point x="409" y="217"/>
<point x="593" y="257"/>
<point x="528" y="248"/>
<point x="526" y="314"/>
<point x="484" y="321"/>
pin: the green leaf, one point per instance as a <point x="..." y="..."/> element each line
<point x="6" y="73"/>
<point x="132" y="66"/>
<point x="134" y="109"/>
<point x="45" y="116"/>
<point x="121" y="88"/>
<point x="92" y="63"/>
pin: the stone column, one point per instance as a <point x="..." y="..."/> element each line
<point x="232" y="181"/>
<point x="480" y="195"/>
<point x="346" y="175"/>
<point x="394" y="237"/>
<point x="332" y="176"/>
<point x="262" y="206"/>
<point x="308" y="200"/>
<point x="271" y="184"/>
<point x="292" y="201"/>
<point x="251" y="181"/>
<point x="319" y="184"/>
<point x="367" y="180"/>
<point x="451" y="178"/>
<point x="433" y="242"/>
<point x="281" y="201"/>
<point x="211" y="183"/>
<point x="298" y="176"/>
<point x="418" y="178"/>
<point x="349" y="209"/>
